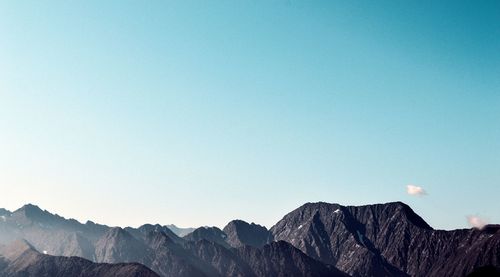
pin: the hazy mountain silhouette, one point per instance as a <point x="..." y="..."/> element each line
<point x="179" y="231"/>
<point x="20" y="259"/>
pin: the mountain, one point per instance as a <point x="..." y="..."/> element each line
<point x="385" y="239"/>
<point x="282" y="259"/>
<point x="181" y="232"/>
<point x="316" y="239"/>
<point x="213" y="234"/>
<point x="203" y="252"/>
<point x="4" y="212"/>
<point x="274" y="259"/>
<point x="20" y="259"/>
<point x="172" y="259"/>
<point x="240" y="233"/>
<point x="145" y="229"/>
<point x="117" y="245"/>
<point x="48" y="232"/>
<point x="219" y="259"/>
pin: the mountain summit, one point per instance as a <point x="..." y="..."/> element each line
<point x="240" y="233"/>
<point x="384" y="240"/>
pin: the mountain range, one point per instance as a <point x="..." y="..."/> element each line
<point x="316" y="239"/>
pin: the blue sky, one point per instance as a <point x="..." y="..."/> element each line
<point x="198" y="112"/>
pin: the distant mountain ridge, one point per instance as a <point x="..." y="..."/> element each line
<point x="316" y="239"/>
<point x="179" y="231"/>
<point x="21" y="259"/>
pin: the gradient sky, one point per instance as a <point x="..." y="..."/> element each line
<point x="199" y="112"/>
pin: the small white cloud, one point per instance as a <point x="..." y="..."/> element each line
<point x="45" y="252"/>
<point x="415" y="190"/>
<point x="476" y="221"/>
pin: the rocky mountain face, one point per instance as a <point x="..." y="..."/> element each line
<point x="385" y="239"/>
<point x="213" y="234"/>
<point x="20" y="259"/>
<point x="145" y="229"/>
<point x="204" y="252"/>
<point x="172" y="259"/>
<point x="117" y="245"/>
<point x="316" y="239"/>
<point x="240" y="233"/>
<point x="50" y="233"/>
<point x="282" y="259"/>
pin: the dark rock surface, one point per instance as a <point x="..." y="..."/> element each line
<point x="240" y="233"/>
<point x="282" y="259"/>
<point x="117" y="245"/>
<point x="213" y="234"/>
<point x="385" y="239"/>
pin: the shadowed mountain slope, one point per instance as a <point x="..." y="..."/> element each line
<point x="384" y="239"/>
<point x="240" y="233"/>
<point x="213" y="234"/>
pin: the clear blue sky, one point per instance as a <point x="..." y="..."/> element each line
<point x="198" y="112"/>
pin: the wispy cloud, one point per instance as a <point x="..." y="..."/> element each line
<point x="415" y="190"/>
<point x="476" y="221"/>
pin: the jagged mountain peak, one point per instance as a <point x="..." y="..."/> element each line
<point x="241" y="223"/>
<point x="324" y="231"/>
<point x="240" y="233"/>
<point x="310" y="208"/>
<point x="391" y="210"/>
<point x="156" y="227"/>
<point x="95" y="227"/>
<point x="208" y="230"/>
<point x="4" y="214"/>
<point x="156" y="239"/>
<point x="212" y="234"/>
<point x="92" y="223"/>
<point x="388" y="211"/>
<point x="117" y="232"/>
<point x="4" y="211"/>
<point x="31" y="213"/>
<point x="118" y="245"/>
<point x="31" y="210"/>
<point x="143" y="231"/>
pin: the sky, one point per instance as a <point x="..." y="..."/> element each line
<point x="200" y="112"/>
